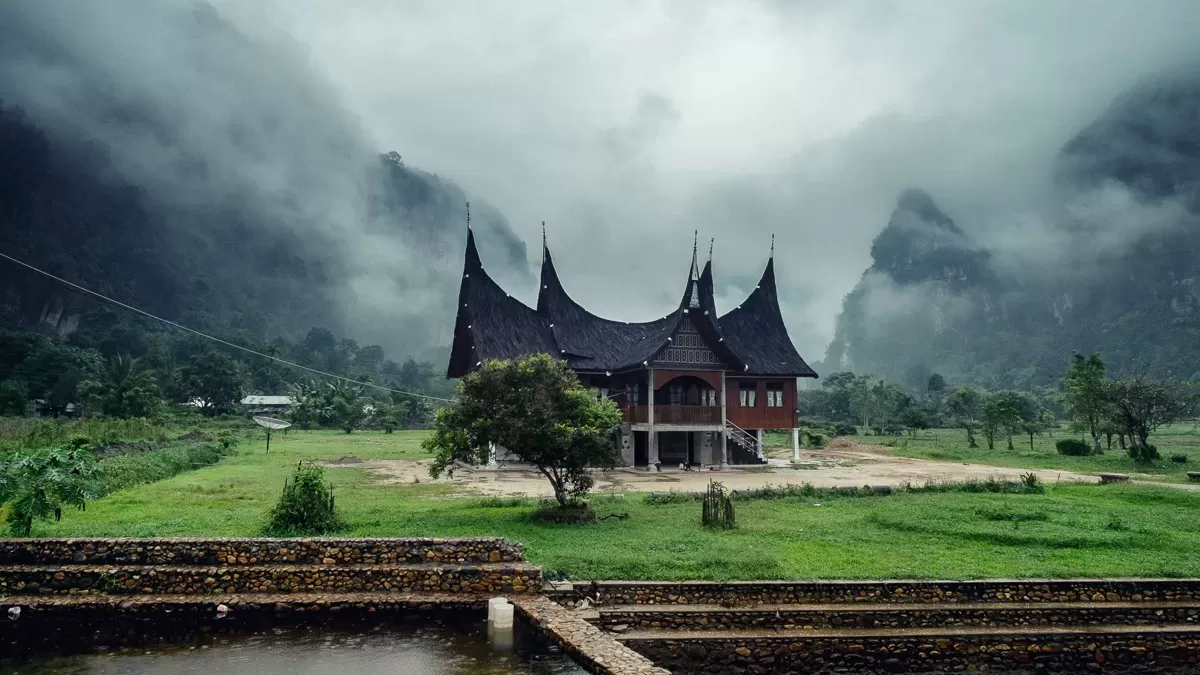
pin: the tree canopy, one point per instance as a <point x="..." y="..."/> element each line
<point x="538" y="411"/>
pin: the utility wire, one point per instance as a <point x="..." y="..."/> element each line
<point x="216" y="339"/>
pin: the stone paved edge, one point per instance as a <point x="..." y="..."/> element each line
<point x="258" y="551"/>
<point x="591" y="647"/>
<point x="751" y="593"/>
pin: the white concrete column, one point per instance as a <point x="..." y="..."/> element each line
<point x="652" y="435"/>
<point x="492" y="464"/>
<point x="758" y="437"/>
<point x="724" y="426"/>
<point x="795" y="445"/>
<point x="626" y="446"/>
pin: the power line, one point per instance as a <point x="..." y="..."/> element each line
<point x="215" y="339"/>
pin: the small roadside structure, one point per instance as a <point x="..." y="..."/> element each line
<point x="1194" y="476"/>
<point x="1106" y="478"/>
<point x="266" y="405"/>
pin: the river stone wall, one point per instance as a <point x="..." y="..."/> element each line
<point x="752" y="593"/>
<point x="924" y="616"/>
<point x="483" y="578"/>
<point x="256" y="551"/>
<point x="1132" y="653"/>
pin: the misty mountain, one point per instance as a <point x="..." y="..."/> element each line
<point x="1125" y="235"/>
<point x="159" y="154"/>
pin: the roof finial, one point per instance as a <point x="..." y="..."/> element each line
<point x="468" y="215"/>
<point x="543" y="234"/>
<point x="695" y="268"/>
<point x="710" y="247"/>
<point x="772" y="244"/>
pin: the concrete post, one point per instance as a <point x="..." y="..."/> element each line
<point x="724" y="426"/>
<point x="758" y="437"/>
<point x="492" y="464"/>
<point x="795" y="445"/>
<point x="652" y="435"/>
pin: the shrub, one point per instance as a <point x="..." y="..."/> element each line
<point x="845" y="430"/>
<point x="1073" y="447"/>
<point x="38" y="484"/>
<point x="306" y="505"/>
<point x="717" y="510"/>
<point x="1179" y="459"/>
<point x="671" y="497"/>
<point x="572" y="514"/>
<point x="1031" y="481"/>
<point x="1144" y="454"/>
<point x="127" y="469"/>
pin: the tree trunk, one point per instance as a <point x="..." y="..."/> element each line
<point x="1010" y="445"/>
<point x="1031" y="440"/>
<point x="1121" y="439"/>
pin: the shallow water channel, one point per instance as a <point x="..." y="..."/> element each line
<point x="396" y="649"/>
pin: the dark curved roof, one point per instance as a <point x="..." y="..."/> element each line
<point x="493" y="325"/>
<point x="589" y="341"/>
<point x="755" y="330"/>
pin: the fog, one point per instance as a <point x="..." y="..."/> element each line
<point x="628" y="125"/>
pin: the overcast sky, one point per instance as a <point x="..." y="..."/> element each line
<point x="627" y="125"/>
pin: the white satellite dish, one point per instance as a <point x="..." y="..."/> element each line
<point x="270" y="424"/>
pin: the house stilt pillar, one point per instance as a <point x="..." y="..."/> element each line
<point x="795" y="445"/>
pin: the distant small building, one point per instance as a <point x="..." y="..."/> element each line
<point x="262" y="405"/>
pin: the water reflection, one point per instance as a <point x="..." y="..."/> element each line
<point x="429" y="650"/>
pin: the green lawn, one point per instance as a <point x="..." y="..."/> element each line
<point x="1069" y="531"/>
<point x="951" y="445"/>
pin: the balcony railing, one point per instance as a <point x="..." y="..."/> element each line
<point x="674" y="414"/>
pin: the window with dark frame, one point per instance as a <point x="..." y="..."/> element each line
<point x="748" y="394"/>
<point x="774" y="394"/>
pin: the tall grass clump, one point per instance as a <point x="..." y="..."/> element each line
<point x="306" y="506"/>
<point x="127" y="469"/>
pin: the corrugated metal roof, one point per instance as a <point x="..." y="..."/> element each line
<point x="267" y="400"/>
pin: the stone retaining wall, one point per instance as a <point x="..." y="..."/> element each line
<point x="256" y="551"/>
<point x="483" y="578"/>
<point x="923" y="616"/>
<point x="751" y="593"/>
<point x="589" y="646"/>
<point x="1133" y="653"/>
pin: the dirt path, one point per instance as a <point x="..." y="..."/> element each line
<point x="846" y="465"/>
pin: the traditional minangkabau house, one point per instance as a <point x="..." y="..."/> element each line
<point x="694" y="387"/>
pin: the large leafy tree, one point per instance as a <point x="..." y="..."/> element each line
<point x="123" y="389"/>
<point x="537" y="410"/>
<point x="1140" y="406"/>
<point x="37" y="484"/>
<point x="1002" y="415"/>
<point x="1087" y="394"/>
<point x="966" y="406"/>
<point x="213" y="381"/>
<point x="14" y="394"/>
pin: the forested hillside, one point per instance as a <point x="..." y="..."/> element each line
<point x="217" y="183"/>
<point x="1123" y="245"/>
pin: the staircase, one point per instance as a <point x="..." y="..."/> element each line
<point x="746" y="441"/>
<point x="82" y="590"/>
<point x="906" y="626"/>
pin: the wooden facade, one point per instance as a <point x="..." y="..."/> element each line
<point x="694" y="384"/>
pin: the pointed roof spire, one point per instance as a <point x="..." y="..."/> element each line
<point x="772" y="244"/>
<point x="710" y="248"/>
<point x="695" y="271"/>
<point x="468" y="216"/>
<point x="543" y="234"/>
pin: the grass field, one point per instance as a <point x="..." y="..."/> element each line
<point x="951" y="445"/>
<point x="1068" y="531"/>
